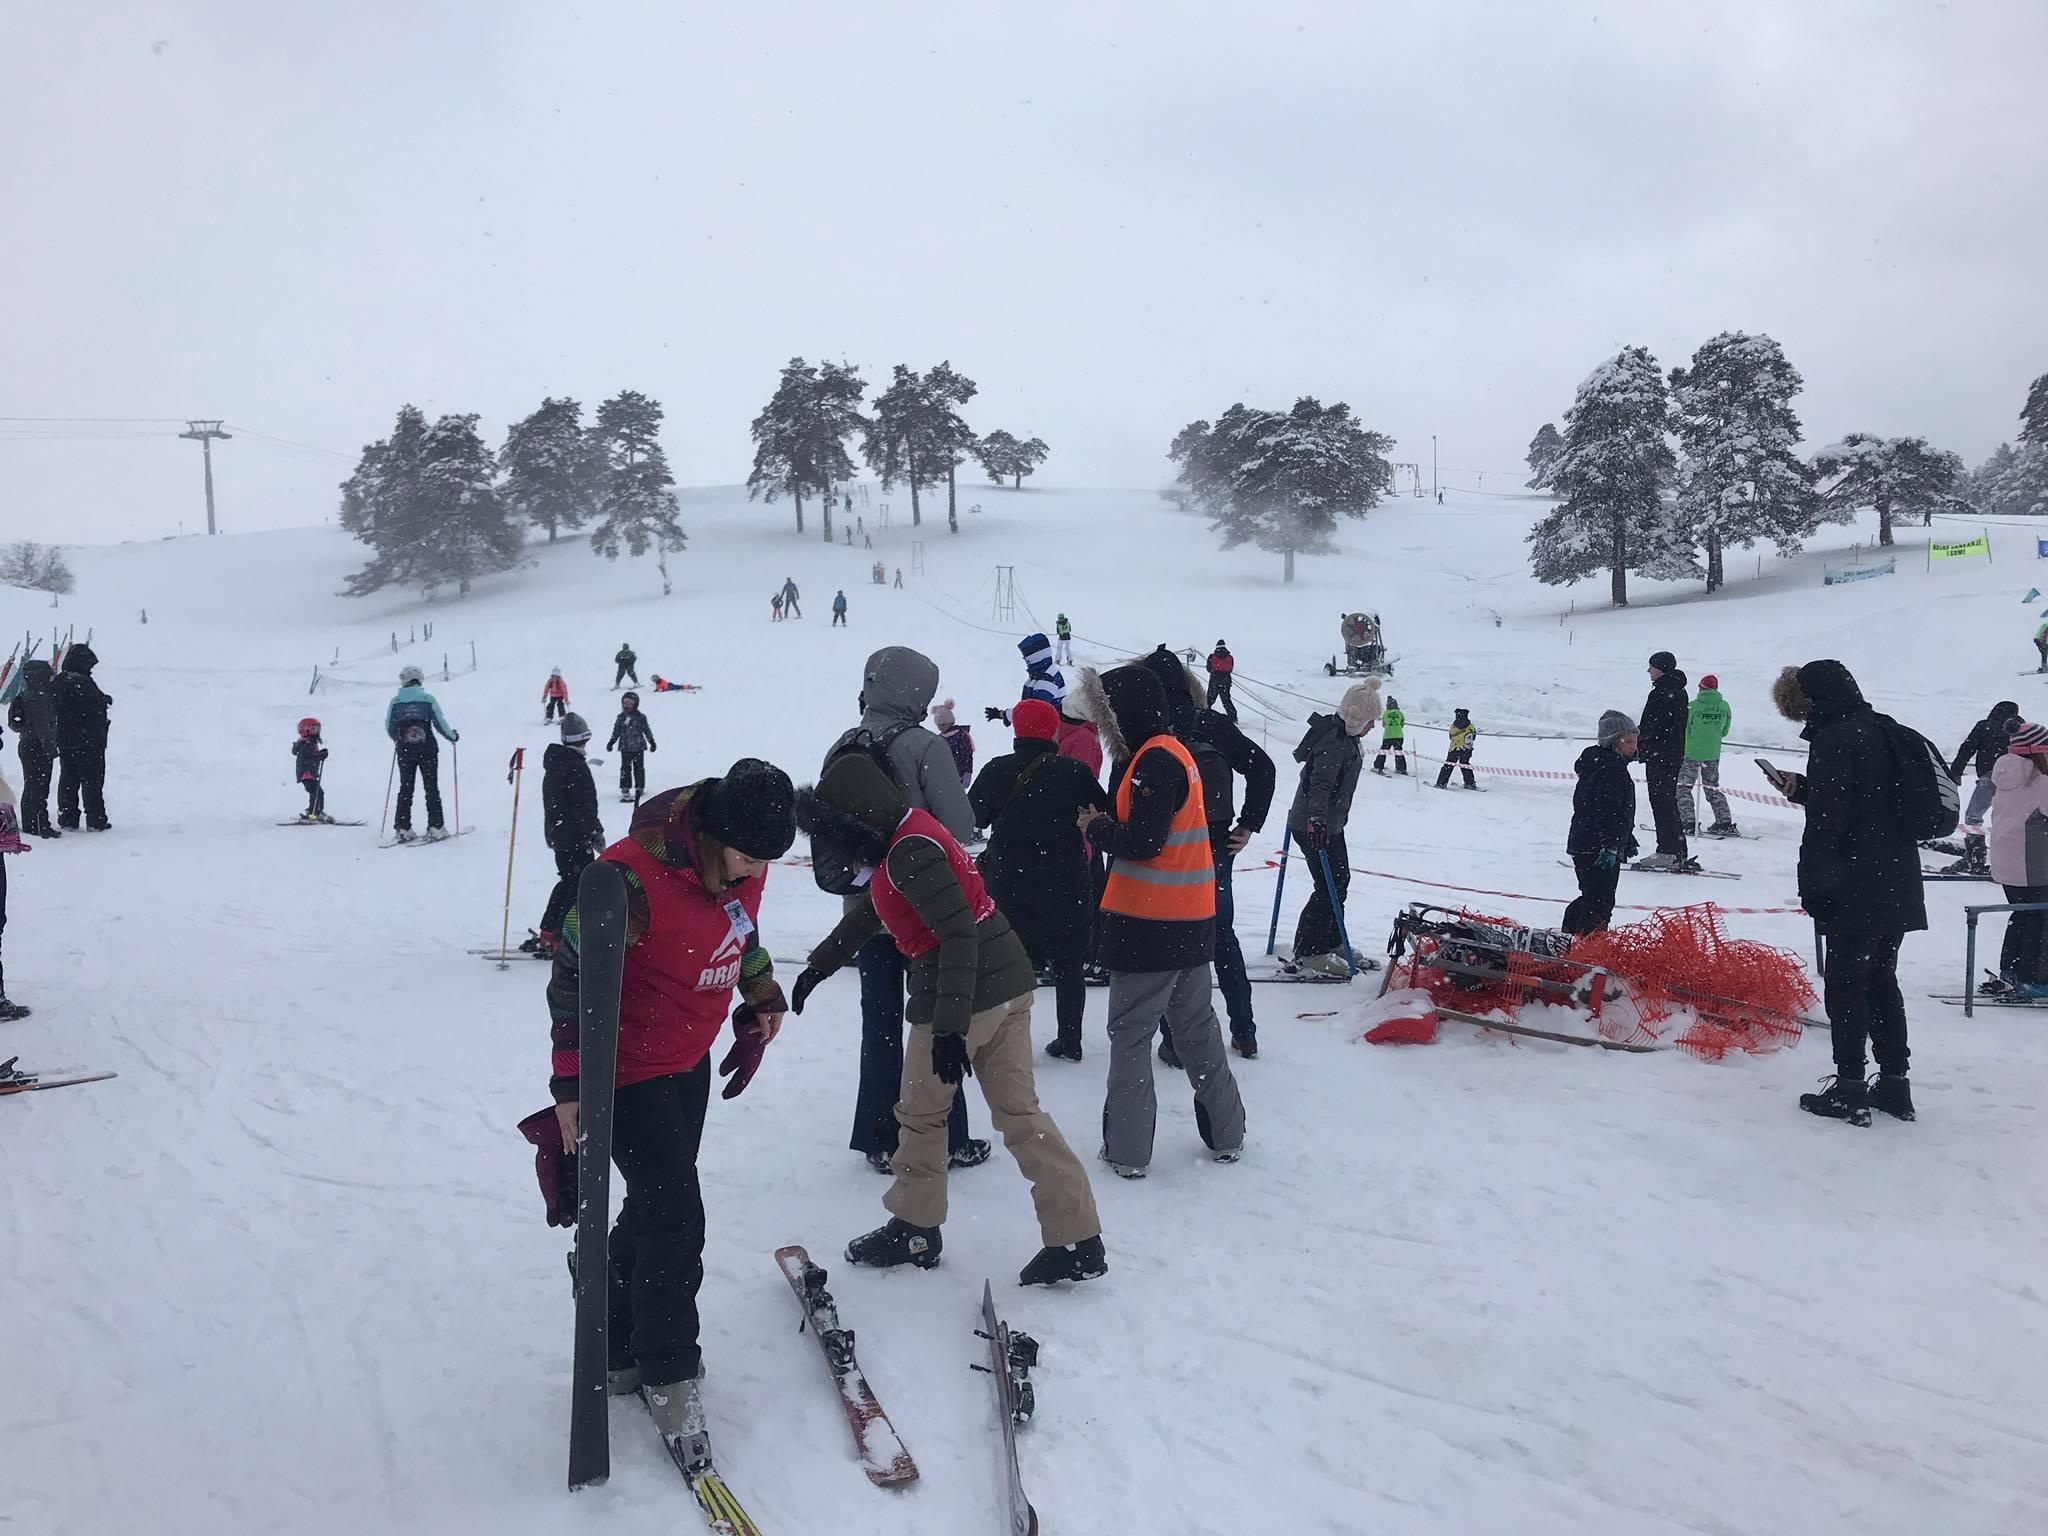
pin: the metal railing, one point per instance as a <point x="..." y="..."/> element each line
<point x="1970" y="916"/>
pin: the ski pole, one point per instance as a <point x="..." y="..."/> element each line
<point x="518" y="769"/>
<point x="1337" y="908"/>
<point x="1273" y="933"/>
<point x="455" y="772"/>
<point x="385" y="815"/>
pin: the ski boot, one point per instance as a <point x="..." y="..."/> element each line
<point x="883" y="1163"/>
<point x="1077" y="1261"/>
<point x="622" y="1381"/>
<point x="1656" y="864"/>
<point x="435" y="835"/>
<point x="1122" y="1170"/>
<point x="897" y="1242"/>
<point x="1062" y="1049"/>
<point x="1995" y="986"/>
<point x="1892" y="1092"/>
<point x="678" y="1409"/>
<point x="1840" y="1098"/>
<point x="538" y="942"/>
<point x="1227" y="1155"/>
<point x="1246" y="1046"/>
<point x="1724" y="829"/>
<point x="1331" y="965"/>
<point x="972" y="1154"/>
<point x="404" y="835"/>
<point x="1167" y="1053"/>
<point x="9" y="1012"/>
<point x="1381" y="772"/>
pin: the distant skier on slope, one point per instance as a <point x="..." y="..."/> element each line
<point x="1707" y="724"/>
<point x="1463" y="735"/>
<point x="634" y="739"/>
<point x="308" y="757"/>
<point x="570" y="824"/>
<point x="789" y="606"/>
<point x="1393" y="738"/>
<point x="1221" y="666"/>
<point x="628" y="664"/>
<point x="32" y="716"/>
<point x="412" y="721"/>
<point x="554" y="697"/>
<point x="1330" y="759"/>
<point x="1063" y="633"/>
<point x="839" y="608"/>
<point x="81" y="707"/>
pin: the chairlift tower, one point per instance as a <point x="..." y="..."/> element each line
<point x="1004" y="608"/>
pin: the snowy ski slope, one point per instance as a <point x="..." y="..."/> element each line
<point x="288" y="1272"/>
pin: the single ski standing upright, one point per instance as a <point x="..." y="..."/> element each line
<point x="883" y="1458"/>
<point x="1011" y="1357"/>
<point x="601" y="926"/>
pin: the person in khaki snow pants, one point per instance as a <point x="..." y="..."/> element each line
<point x="971" y="987"/>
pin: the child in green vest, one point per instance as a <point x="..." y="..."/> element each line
<point x="1393" y="726"/>
<point x="1706" y="727"/>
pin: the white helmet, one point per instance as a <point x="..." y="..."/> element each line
<point x="407" y="676"/>
<point x="555" y="672"/>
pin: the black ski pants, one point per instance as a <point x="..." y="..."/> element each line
<point x="1662" y="781"/>
<point x="38" y="763"/>
<point x="2023" y="957"/>
<point x="657" y="1248"/>
<point x="418" y="761"/>
<point x="316" y="797"/>
<point x="1396" y="745"/>
<point x="3" y="926"/>
<point x="789" y="606"/>
<point x="632" y="773"/>
<point x="1219" y="688"/>
<point x="1316" y="933"/>
<point x="569" y="866"/>
<point x="1461" y="759"/>
<point x="626" y="670"/>
<point x="1864" y="1005"/>
<point x="1594" y="908"/>
<point x="82" y="775"/>
<point x="883" y="971"/>
<point x="556" y="707"/>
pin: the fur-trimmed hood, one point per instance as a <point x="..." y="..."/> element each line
<point x="1818" y="688"/>
<point x="1127" y="706"/>
<point x="1186" y="694"/>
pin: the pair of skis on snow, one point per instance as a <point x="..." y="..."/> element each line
<point x="601" y="909"/>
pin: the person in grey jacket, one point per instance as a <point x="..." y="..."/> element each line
<point x="897" y="688"/>
<point x="1330" y="759"/>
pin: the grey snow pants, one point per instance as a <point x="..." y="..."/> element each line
<point x="1130" y="1110"/>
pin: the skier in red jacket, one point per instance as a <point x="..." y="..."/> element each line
<point x="694" y="864"/>
<point x="554" y="697"/>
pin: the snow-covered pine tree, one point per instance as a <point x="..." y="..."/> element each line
<point x="1544" y="448"/>
<point x="951" y="439"/>
<point x="1280" y="480"/>
<point x="550" y="471"/>
<point x="1004" y="457"/>
<point x="831" y="416"/>
<point x="380" y="503"/>
<point x="2013" y="482"/>
<point x="1611" y="476"/>
<point x="637" y="509"/>
<point x="2034" y="414"/>
<point x="1896" y="475"/>
<point x="781" y="459"/>
<point x="466" y="529"/>
<point x="1740" y="476"/>
<point x="914" y="434"/>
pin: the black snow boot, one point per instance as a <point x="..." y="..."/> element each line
<point x="1078" y="1261"/>
<point x="1167" y="1053"/>
<point x="1246" y="1046"/>
<point x="9" y="1012"/>
<point x="972" y="1154"/>
<point x="1840" y="1098"/>
<point x="1892" y="1092"/>
<point x="897" y="1242"/>
<point x="1063" y="1048"/>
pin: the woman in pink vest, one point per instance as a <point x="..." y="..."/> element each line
<point x="694" y="860"/>
<point x="971" y="986"/>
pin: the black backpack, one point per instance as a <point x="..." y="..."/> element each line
<point x="835" y="868"/>
<point x="1928" y="802"/>
<point x="1218" y="802"/>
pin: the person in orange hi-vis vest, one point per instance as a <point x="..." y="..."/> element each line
<point x="1158" y="921"/>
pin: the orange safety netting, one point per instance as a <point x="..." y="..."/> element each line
<point x="1741" y="995"/>
<point x="1676" y="965"/>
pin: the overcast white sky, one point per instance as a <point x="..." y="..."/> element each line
<point x="1116" y="217"/>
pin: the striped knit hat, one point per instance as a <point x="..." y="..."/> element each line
<point x="2027" y="737"/>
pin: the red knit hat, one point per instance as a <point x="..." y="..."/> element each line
<point x="1710" y="681"/>
<point x="1035" y="720"/>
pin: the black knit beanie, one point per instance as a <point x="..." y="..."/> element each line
<point x="753" y="809"/>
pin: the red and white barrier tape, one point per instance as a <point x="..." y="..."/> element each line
<point x="1778" y="801"/>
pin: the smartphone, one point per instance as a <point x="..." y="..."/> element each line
<point x="1781" y="781"/>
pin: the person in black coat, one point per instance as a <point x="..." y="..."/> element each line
<point x="1859" y="879"/>
<point x="81" y="710"/>
<point x="1603" y="830"/>
<point x="1660" y="743"/>
<point x="33" y="718"/>
<point x="1036" y="864"/>
<point x="1982" y="747"/>
<point x="570" y="823"/>
<point x="1220" y="750"/>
